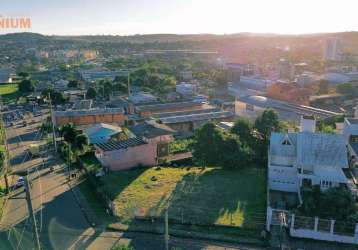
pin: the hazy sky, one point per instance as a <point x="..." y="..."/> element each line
<point x="125" y="17"/>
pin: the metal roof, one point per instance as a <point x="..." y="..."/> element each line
<point x="311" y="149"/>
<point x="197" y="117"/>
<point x="265" y="102"/>
<point x="161" y="106"/>
<point x="88" y="112"/>
<point x="116" y="145"/>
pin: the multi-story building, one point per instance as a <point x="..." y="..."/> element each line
<point x="332" y="49"/>
<point x="306" y="158"/>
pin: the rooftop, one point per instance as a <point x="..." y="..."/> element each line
<point x="88" y="112"/>
<point x="150" y="129"/>
<point x="116" y="145"/>
<point x="197" y="117"/>
<point x="168" y="105"/>
<point x="311" y="149"/>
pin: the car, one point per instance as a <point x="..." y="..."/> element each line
<point x="20" y="182"/>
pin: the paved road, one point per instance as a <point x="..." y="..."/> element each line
<point x="59" y="217"/>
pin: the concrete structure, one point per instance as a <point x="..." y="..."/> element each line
<point x="332" y="49"/>
<point x="142" y="97"/>
<point x="186" y="75"/>
<point x="82" y="104"/>
<point x="102" y="132"/>
<point x="92" y="116"/>
<point x="6" y="75"/>
<point x="252" y="106"/>
<point x="286" y="70"/>
<point x="93" y="75"/>
<point x="189" y="122"/>
<point x="61" y="85"/>
<point x="305" y="159"/>
<point x="185" y="89"/>
<point x="254" y="82"/>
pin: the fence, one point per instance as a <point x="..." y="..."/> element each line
<point x="321" y="229"/>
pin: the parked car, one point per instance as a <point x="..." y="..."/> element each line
<point x="20" y="182"/>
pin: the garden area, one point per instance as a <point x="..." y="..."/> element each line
<point x="9" y="92"/>
<point x="203" y="196"/>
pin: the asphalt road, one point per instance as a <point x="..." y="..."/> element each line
<point x="59" y="218"/>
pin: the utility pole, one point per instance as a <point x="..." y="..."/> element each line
<point x="69" y="162"/>
<point x="31" y="211"/>
<point x="166" y="236"/>
<point x="53" y="125"/>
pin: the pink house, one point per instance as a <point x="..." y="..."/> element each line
<point x="149" y="146"/>
<point x="120" y="155"/>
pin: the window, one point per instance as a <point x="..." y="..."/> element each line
<point x="286" y="142"/>
<point x="326" y="184"/>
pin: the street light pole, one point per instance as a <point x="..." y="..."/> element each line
<point x="53" y="124"/>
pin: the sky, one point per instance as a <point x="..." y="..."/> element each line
<point x="128" y="17"/>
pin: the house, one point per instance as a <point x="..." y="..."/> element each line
<point x="306" y="158"/>
<point x="82" y="104"/>
<point x="153" y="132"/>
<point x="147" y="148"/>
<point x="126" y="154"/>
<point x="102" y="132"/>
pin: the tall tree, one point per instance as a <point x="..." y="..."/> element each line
<point x="244" y="129"/>
<point x="91" y="93"/>
<point x="26" y="86"/>
<point x="205" y="146"/>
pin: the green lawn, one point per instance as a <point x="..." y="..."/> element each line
<point x="210" y="196"/>
<point x="9" y="92"/>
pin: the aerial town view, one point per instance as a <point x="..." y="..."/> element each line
<point x="178" y="125"/>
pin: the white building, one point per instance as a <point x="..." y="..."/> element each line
<point x="306" y="158"/>
<point x="332" y="49"/>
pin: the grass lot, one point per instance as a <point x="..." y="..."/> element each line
<point x="9" y="92"/>
<point x="210" y="196"/>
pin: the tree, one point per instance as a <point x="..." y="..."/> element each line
<point x="337" y="203"/>
<point x="267" y="123"/>
<point x="69" y="132"/>
<point x="81" y="140"/>
<point x="205" y="146"/>
<point x="57" y="98"/>
<point x="73" y="84"/>
<point x="24" y="74"/>
<point x="91" y="93"/>
<point x="264" y="125"/>
<point x="26" y="86"/>
<point x="244" y="129"/>
<point x="211" y="146"/>
<point x="334" y="203"/>
<point x="346" y="89"/>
